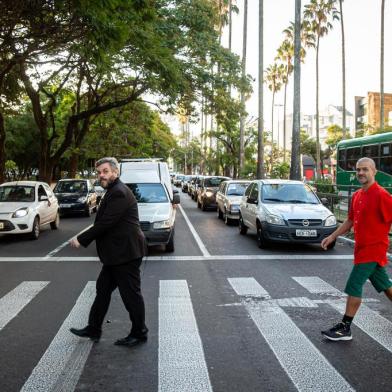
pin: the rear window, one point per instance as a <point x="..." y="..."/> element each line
<point x="149" y="193"/>
<point x="236" y="189"/>
<point x="213" y="181"/>
<point x="17" y="193"/>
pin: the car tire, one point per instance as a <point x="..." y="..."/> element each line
<point x="198" y="204"/>
<point x="169" y="247"/>
<point x="56" y="223"/>
<point x="34" y="234"/>
<point x="226" y="219"/>
<point x="261" y="241"/>
<point x="241" y="226"/>
<point x="203" y="206"/>
<point x="331" y="245"/>
<point x="220" y="215"/>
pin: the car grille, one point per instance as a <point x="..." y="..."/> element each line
<point x="8" y="226"/>
<point x="299" y="222"/>
<point x="145" y="226"/>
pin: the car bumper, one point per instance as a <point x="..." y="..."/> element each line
<point x="72" y="208"/>
<point x="158" y="237"/>
<point x="14" y="227"/>
<point x="233" y="214"/>
<point x="288" y="234"/>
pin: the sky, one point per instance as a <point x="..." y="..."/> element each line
<point x="362" y="38"/>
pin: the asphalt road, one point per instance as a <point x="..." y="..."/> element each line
<point x="223" y="315"/>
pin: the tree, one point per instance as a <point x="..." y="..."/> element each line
<point x="319" y="14"/>
<point x="382" y="118"/>
<point x="295" y="168"/>
<point x="260" y="123"/>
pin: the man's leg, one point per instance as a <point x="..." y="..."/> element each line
<point x="352" y="305"/>
<point x="106" y="284"/>
<point x="388" y="293"/>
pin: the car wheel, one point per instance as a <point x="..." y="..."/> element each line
<point x="56" y="223"/>
<point x="34" y="234"/>
<point x="241" y="227"/>
<point x="261" y="241"/>
<point x="220" y="215"/>
<point x="331" y="245"/>
<point x="170" y="245"/>
<point x="87" y="212"/>
<point x="198" y="204"/>
<point x="226" y="219"/>
<point x="203" y="206"/>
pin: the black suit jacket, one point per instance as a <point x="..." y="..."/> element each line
<point x="116" y="230"/>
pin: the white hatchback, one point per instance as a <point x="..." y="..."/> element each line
<point x="25" y="206"/>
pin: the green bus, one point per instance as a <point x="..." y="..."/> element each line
<point x="378" y="147"/>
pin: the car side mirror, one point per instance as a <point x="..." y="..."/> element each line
<point x="175" y="191"/>
<point x="324" y="201"/>
<point x="176" y="198"/>
<point x="43" y="198"/>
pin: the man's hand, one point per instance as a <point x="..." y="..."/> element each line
<point x="326" y="241"/>
<point x="74" y="243"/>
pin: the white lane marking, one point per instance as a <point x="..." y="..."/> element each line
<point x="316" y="285"/>
<point x="308" y="369"/>
<point x="13" y="302"/>
<point x="198" y="240"/>
<point x="62" y="364"/>
<point x="371" y="322"/>
<point x="191" y="258"/>
<point x="181" y="362"/>
<point x="63" y="245"/>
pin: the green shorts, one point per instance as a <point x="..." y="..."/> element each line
<point x="361" y="273"/>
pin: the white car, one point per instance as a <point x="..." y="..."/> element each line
<point x="25" y="206"/>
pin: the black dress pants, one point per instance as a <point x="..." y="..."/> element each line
<point x="127" y="278"/>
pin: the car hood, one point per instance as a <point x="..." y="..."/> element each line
<point x="154" y="212"/>
<point x="298" y="211"/>
<point x="8" y="207"/>
<point x="69" y="196"/>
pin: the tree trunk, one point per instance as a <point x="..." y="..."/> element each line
<point x="243" y="65"/>
<point x="2" y="148"/>
<point x="284" y="120"/>
<point x="260" y="122"/>
<point x="295" y="169"/>
<point x="73" y="165"/>
<point x="318" y="158"/>
<point x="382" y="118"/>
<point x="272" y="130"/>
<point x="343" y="71"/>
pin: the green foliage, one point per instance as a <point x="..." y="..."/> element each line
<point x="308" y="144"/>
<point x="280" y="170"/>
<point x="325" y="185"/>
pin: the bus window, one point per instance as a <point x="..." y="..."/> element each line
<point x="370" y="151"/>
<point x="386" y="149"/>
<point x="342" y="159"/>
<point x="386" y="165"/>
<point x="353" y="154"/>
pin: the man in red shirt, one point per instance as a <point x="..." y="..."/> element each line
<point x="371" y="216"/>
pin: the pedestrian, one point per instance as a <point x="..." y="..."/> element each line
<point x="371" y="215"/>
<point x="121" y="246"/>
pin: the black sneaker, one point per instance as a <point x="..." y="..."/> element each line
<point x="340" y="331"/>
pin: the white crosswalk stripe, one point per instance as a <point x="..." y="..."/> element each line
<point x="182" y="366"/>
<point x="62" y="364"/>
<point x="371" y="322"/>
<point x="308" y="369"/>
<point x="13" y="302"/>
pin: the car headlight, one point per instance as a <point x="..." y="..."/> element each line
<point x="21" y="212"/>
<point x="330" y="221"/>
<point x="166" y="224"/>
<point x="209" y="193"/>
<point x="82" y="199"/>
<point x="275" y="220"/>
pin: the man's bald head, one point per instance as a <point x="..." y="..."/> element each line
<point x="367" y="161"/>
<point x="366" y="172"/>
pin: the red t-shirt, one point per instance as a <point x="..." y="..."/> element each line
<point x="371" y="214"/>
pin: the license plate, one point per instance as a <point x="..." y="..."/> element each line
<point x="306" y="233"/>
<point x="1" y="225"/>
<point x="65" y="206"/>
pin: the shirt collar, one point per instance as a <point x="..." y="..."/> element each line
<point x="372" y="188"/>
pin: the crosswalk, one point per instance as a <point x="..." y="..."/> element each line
<point x="182" y="363"/>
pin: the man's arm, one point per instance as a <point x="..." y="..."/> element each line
<point x="342" y="229"/>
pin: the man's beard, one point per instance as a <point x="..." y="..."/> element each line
<point x="109" y="181"/>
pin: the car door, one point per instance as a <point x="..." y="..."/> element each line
<point x="245" y="205"/>
<point x="53" y="203"/>
<point x="43" y="205"/>
<point x="252" y="209"/>
<point x="220" y="195"/>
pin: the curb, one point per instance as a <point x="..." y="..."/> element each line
<point x="352" y="242"/>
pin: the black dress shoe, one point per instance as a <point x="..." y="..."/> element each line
<point x="131" y="341"/>
<point x="87" y="332"/>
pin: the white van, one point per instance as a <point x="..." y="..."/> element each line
<point x="149" y="180"/>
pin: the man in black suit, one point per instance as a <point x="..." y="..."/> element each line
<point x="121" y="246"/>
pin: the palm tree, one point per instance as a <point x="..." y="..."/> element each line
<point x="295" y="168"/>
<point x="319" y="14"/>
<point x="343" y="70"/>
<point x="260" y="121"/>
<point x="243" y="65"/>
<point x="382" y="67"/>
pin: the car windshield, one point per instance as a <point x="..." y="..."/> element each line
<point x="17" y="193"/>
<point x="71" y="187"/>
<point x="149" y="193"/>
<point x="213" y="181"/>
<point x="288" y="193"/>
<point x="237" y="189"/>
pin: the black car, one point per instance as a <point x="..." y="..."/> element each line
<point x="76" y="196"/>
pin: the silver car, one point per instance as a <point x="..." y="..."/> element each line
<point x="284" y="211"/>
<point x="228" y="199"/>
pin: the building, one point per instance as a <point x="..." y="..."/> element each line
<point x="367" y="110"/>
